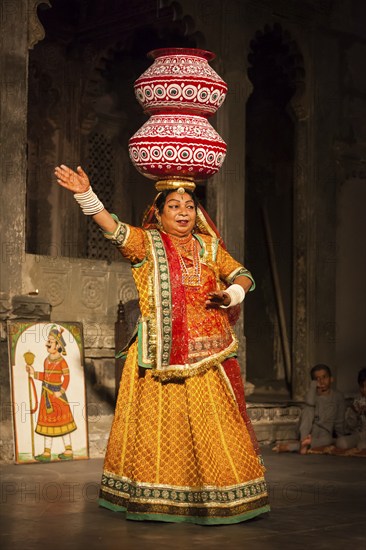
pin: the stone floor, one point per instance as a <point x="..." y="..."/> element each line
<point x="318" y="502"/>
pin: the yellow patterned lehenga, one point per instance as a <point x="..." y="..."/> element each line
<point x="181" y="447"/>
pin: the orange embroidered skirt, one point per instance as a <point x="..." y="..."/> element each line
<point x="181" y="451"/>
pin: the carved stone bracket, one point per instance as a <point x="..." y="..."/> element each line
<point x="36" y="32"/>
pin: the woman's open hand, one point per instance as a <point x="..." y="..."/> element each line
<point x="77" y="182"/>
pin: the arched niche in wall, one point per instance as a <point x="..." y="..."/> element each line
<point x="82" y="110"/>
<point x="276" y="72"/>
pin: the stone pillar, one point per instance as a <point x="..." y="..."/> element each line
<point x="303" y="264"/>
<point x="230" y="182"/>
<point x="20" y="31"/>
<point x="14" y="57"/>
<point x="303" y="226"/>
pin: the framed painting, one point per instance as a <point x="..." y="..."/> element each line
<point x="48" y="391"/>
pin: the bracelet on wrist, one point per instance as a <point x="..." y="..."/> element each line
<point x="237" y="295"/>
<point x="89" y="202"/>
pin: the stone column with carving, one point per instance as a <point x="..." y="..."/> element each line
<point x="14" y="57"/>
<point x="230" y="182"/>
<point x="20" y="31"/>
<point x="303" y="262"/>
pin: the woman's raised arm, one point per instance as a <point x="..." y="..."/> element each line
<point x="78" y="182"/>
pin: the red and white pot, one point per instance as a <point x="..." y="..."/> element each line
<point x="177" y="145"/>
<point x="180" y="79"/>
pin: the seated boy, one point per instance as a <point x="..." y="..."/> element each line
<point x="322" y="416"/>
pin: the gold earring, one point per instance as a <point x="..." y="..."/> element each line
<point x="159" y="224"/>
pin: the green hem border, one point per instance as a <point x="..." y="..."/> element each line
<point x="171" y="518"/>
<point x="114" y="507"/>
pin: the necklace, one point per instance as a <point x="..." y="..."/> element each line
<point x="191" y="274"/>
<point x="182" y="243"/>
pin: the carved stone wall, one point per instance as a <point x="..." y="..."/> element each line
<point x="82" y="290"/>
<point x="274" y="422"/>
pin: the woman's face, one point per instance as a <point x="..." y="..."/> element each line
<point x="179" y="214"/>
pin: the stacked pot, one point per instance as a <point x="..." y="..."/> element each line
<point x="179" y="91"/>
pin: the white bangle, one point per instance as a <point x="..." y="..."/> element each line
<point x="89" y="202"/>
<point x="237" y="295"/>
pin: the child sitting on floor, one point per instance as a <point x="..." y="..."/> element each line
<point x="322" y="416"/>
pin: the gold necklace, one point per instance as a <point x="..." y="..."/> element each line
<point x="183" y="243"/>
<point x="191" y="275"/>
